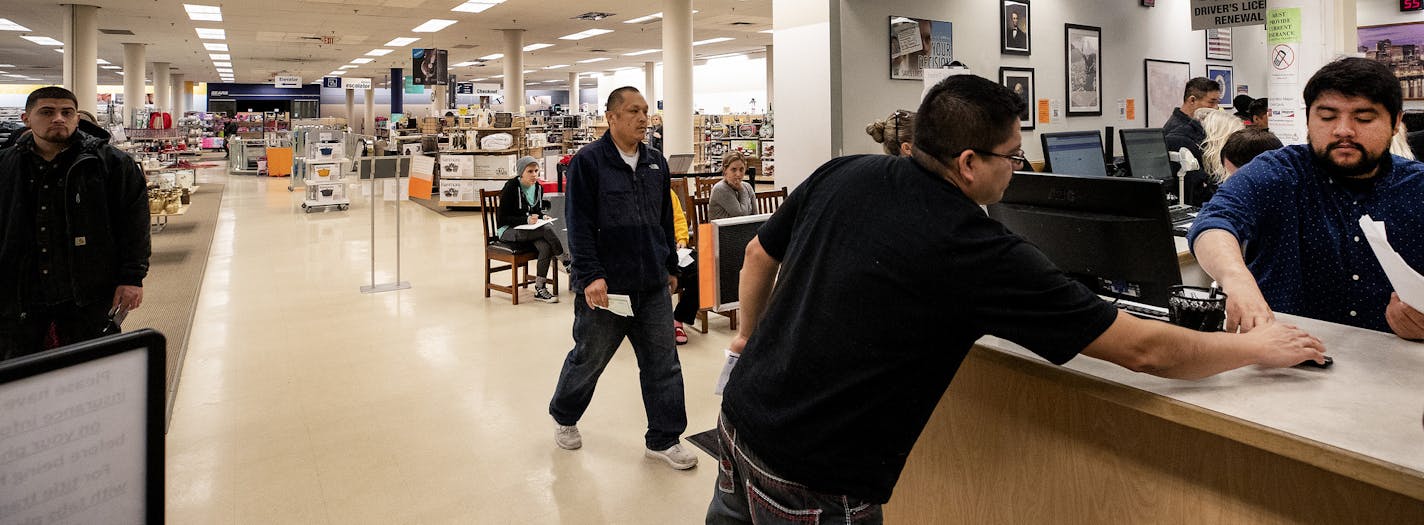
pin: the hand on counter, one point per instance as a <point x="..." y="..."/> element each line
<point x="1406" y="322"/>
<point x="1246" y="309"/>
<point x="1281" y="345"/>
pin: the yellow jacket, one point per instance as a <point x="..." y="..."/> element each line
<point x="679" y="220"/>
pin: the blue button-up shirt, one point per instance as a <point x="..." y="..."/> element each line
<point x="1301" y="238"/>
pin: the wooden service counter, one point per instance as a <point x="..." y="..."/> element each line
<point x="1018" y="440"/>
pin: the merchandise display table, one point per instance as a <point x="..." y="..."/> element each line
<point x="160" y="220"/>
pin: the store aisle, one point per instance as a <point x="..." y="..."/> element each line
<point x="305" y="401"/>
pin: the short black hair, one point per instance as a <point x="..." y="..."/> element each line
<point x="1199" y="87"/>
<point x="1246" y="143"/>
<point x="1358" y="77"/>
<point x="615" y="99"/>
<point x="1259" y="107"/>
<point x="1413" y="120"/>
<point x="50" y="92"/>
<point x="965" y="112"/>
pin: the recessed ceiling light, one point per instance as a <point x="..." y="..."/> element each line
<point x="203" y="12"/>
<point x="585" y="34"/>
<point x="643" y="52"/>
<point x="224" y="70"/>
<point x="479" y="79"/>
<point x="495" y="56"/>
<point x="110" y="67"/>
<point x="60" y="50"/>
<point x="464" y="64"/>
<point x="43" y="40"/>
<point x="592" y="60"/>
<point x="362" y="60"/>
<point x="211" y="34"/>
<point x="432" y="25"/>
<point x="528" y="71"/>
<point x="645" y="18"/>
<point x="12" y="75"/>
<point x="219" y="56"/>
<point x="222" y="64"/>
<point x="402" y="41"/>
<point x="214" y="46"/>
<point x="767" y="31"/>
<point x="103" y="62"/>
<point x="552" y="81"/>
<point x="7" y="25"/>
<point x="338" y="72"/>
<point x="557" y="66"/>
<point x="349" y="66"/>
<point x="379" y="52"/>
<point x="7" y="65"/>
<point x="536" y="47"/>
<point x="497" y="76"/>
<point x="712" y="40"/>
<point x="728" y="55"/>
<point x="476" y="6"/>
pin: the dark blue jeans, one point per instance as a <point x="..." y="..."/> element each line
<point x="597" y="335"/>
<point x="748" y="492"/>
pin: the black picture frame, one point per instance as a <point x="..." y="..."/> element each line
<point x="1166" y="79"/>
<point x="1023" y="76"/>
<point x="1008" y="45"/>
<point x="1083" y="73"/>
<point x="1225" y="76"/>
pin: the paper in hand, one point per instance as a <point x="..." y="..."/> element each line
<point x="536" y="224"/>
<point x="620" y="304"/>
<point x="1406" y="281"/>
<point x="726" y="372"/>
<point x="684" y="257"/>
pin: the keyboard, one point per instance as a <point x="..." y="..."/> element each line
<point x="1182" y="217"/>
<point x="1144" y="311"/>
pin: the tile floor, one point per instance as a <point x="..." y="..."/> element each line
<point x="304" y="401"/>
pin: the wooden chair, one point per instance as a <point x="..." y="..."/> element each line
<point x="704" y="186"/>
<point x="700" y="214"/>
<point x="769" y="201"/>
<point x="516" y="256"/>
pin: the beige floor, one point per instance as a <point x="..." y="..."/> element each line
<point x="305" y="401"/>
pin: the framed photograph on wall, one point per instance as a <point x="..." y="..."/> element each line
<point x="1223" y="77"/>
<point x="1020" y="81"/>
<point x="917" y="44"/>
<point x="1013" y="28"/>
<point x="1083" y="60"/>
<point x="1387" y="43"/>
<point x="1218" y="43"/>
<point x="1166" y="81"/>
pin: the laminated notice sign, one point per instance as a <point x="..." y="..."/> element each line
<point x="422" y="176"/>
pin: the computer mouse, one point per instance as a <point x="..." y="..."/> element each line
<point x="1311" y="363"/>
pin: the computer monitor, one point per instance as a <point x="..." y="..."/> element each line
<point x="1112" y="234"/>
<point x="81" y="432"/>
<point x="722" y="247"/>
<point x="1074" y="153"/>
<point x="1146" y="153"/>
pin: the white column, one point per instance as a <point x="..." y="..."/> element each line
<point x="370" y="127"/>
<point x="677" y="77"/>
<point x="770" y="75"/>
<point x="134" y="73"/>
<point x="573" y="92"/>
<point x="650" y="84"/>
<point x="161" y="91"/>
<point x="81" y="54"/>
<point x="351" y="108"/>
<point x="805" y="118"/>
<point x="1327" y="31"/>
<point x="180" y="96"/>
<point x="514" y="70"/>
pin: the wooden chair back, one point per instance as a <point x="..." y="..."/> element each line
<point x="699" y="210"/>
<point x="769" y="201"/>
<point x="704" y="186"/>
<point x="489" y="208"/>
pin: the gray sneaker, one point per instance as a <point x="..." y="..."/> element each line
<point x="568" y="438"/>
<point x="675" y="456"/>
<point x="542" y="295"/>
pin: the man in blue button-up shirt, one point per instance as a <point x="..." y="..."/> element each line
<point x="1283" y="233"/>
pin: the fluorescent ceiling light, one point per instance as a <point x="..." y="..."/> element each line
<point x="7" y="65"/>
<point x="592" y="60"/>
<point x="60" y="50"/>
<point x="203" y="12"/>
<point x="222" y="64"/>
<point x="557" y="66"/>
<point x="653" y="16"/>
<point x="432" y="25"/>
<point x="528" y="71"/>
<point x="479" y="79"/>
<point x="643" y="52"/>
<point x="476" y="6"/>
<point x="379" y="52"/>
<point x="402" y="41"/>
<point x="552" y="81"/>
<point x="110" y="67"/>
<point x="728" y="55"/>
<point x="12" y="75"/>
<point x="349" y="66"/>
<point x="362" y="60"/>
<point x="585" y="34"/>
<point x="464" y="64"/>
<point x="219" y="56"/>
<point x="767" y="31"/>
<point x="712" y="40"/>
<point x="536" y="47"/>
<point x="214" y="46"/>
<point x="7" y="25"/>
<point x="497" y="76"/>
<point x="103" y="62"/>
<point x="495" y="56"/>
<point x="225" y="70"/>
<point x="211" y="34"/>
<point x="338" y="72"/>
<point x="43" y="40"/>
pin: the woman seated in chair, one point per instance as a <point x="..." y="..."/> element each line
<point x="686" y="310"/>
<point x="522" y="202"/>
<point x="731" y="197"/>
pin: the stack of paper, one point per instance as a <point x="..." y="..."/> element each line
<point x="1407" y="282"/>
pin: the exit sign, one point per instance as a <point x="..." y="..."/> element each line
<point x="1411" y="5"/>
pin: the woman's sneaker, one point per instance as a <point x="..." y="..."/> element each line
<point x="543" y="295"/>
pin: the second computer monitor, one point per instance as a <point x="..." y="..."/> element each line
<point x="1074" y="153"/>
<point x="1146" y="153"/>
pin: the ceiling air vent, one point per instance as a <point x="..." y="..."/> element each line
<point x="598" y="51"/>
<point x="592" y="16"/>
<point x="116" y="32"/>
<point x="741" y="23"/>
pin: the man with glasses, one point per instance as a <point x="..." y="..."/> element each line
<point x="875" y="278"/>
<point x="74" y="238"/>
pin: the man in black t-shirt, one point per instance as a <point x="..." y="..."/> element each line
<point x="826" y="403"/>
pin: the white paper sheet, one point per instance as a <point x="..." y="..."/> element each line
<point x="1406" y="281"/>
<point x="536" y="225"/>
<point x="726" y="372"/>
<point x="620" y="304"/>
<point x="684" y="257"/>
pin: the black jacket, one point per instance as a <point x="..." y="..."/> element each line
<point x="514" y="209"/>
<point x="620" y="219"/>
<point x="107" y="201"/>
<point x="1183" y="131"/>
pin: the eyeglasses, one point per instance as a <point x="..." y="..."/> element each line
<point x="1018" y="160"/>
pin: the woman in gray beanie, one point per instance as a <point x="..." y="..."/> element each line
<point x="522" y="202"/>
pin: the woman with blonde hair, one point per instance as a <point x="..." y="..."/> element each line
<point x="895" y="133"/>
<point x="1219" y="124"/>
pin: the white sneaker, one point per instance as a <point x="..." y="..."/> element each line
<point x="675" y="456"/>
<point x="567" y="437"/>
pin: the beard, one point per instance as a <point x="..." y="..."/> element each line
<point x="57" y="135"/>
<point x="1367" y="163"/>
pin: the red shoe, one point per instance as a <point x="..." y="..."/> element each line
<point x="677" y="333"/>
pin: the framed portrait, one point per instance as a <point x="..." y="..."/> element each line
<point x="1013" y="28"/>
<point x="1020" y="81"/>
<point x="1166" y="81"/>
<point x="917" y="44"/>
<point x="1083" y="60"/>
<point x="1222" y="76"/>
<point x="1218" y="43"/>
<point x="1387" y="43"/>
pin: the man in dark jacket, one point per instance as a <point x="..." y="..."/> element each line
<point x="619" y="212"/>
<point x="74" y="237"/>
<point x="1184" y="131"/>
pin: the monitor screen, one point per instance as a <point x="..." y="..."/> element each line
<point x="1112" y="234"/>
<point x="1074" y="153"/>
<point x="81" y="433"/>
<point x="721" y="251"/>
<point x="1146" y="152"/>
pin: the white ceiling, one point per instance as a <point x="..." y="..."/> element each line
<point x="266" y="37"/>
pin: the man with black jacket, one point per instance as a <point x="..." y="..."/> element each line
<point x="74" y="230"/>
<point x="619" y="213"/>
<point x="1184" y="131"/>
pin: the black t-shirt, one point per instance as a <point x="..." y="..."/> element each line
<point x="889" y="275"/>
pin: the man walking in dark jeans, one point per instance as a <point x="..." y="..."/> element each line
<point x="619" y="213"/>
<point x="74" y="238"/>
